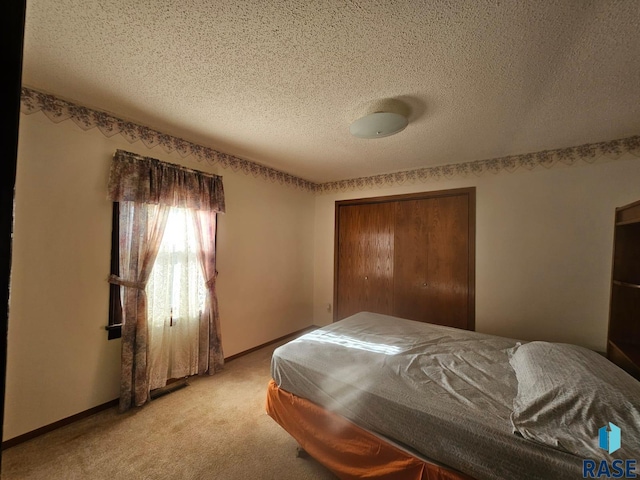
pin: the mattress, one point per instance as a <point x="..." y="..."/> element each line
<point x="444" y="393"/>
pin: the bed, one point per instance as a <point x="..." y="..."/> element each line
<point x="374" y="396"/>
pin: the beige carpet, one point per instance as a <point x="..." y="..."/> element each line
<point x="215" y="428"/>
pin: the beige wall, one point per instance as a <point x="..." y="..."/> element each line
<point x="543" y="251"/>
<point x="59" y="359"/>
<point x="543" y="248"/>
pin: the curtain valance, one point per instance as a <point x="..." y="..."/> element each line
<point x="134" y="178"/>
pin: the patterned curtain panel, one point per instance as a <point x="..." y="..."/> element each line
<point x="141" y="229"/>
<point x="211" y="357"/>
<point x="134" y="178"/>
<point x="148" y="191"/>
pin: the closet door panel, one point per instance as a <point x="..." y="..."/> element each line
<point x="448" y="265"/>
<point x="431" y="260"/>
<point x="411" y="283"/>
<point x="365" y="259"/>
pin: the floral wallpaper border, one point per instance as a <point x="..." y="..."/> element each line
<point x="590" y="153"/>
<point x="58" y="110"/>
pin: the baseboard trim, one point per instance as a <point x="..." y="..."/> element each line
<point x="279" y="339"/>
<point x="12" y="442"/>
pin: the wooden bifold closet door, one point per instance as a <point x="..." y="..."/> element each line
<point x="411" y="256"/>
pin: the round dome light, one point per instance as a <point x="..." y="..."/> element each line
<point x="378" y="125"/>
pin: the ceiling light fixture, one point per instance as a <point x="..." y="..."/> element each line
<point x="388" y="118"/>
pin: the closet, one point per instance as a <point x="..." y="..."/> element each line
<point x="411" y="256"/>
<point x="623" y="346"/>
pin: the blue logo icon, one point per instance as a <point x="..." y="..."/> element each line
<point x="609" y="438"/>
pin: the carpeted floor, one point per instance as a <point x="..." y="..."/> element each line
<point x="215" y="428"/>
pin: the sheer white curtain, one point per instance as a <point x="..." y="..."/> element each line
<point x="176" y="295"/>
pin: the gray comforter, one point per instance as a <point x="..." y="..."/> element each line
<point x="444" y="393"/>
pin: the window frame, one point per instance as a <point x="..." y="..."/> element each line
<point x="114" y="325"/>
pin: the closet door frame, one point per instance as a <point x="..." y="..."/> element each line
<point x="469" y="192"/>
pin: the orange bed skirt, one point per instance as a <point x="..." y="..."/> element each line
<point x="344" y="448"/>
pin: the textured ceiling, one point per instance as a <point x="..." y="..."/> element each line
<point x="279" y="81"/>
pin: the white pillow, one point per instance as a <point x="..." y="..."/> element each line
<point x="567" y="393"/>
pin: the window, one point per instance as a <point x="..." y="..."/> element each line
<point x="167" y="313"/>
<point x="114" y="327"/>
<point x="176" y="294"/>
<point x="175" y="301"/>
